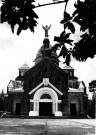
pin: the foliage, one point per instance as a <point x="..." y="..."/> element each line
<point x="92" y="86"/>
<point x="19" y="12"/>
<point x="65" y="38"/>
<point x="85" y="16"/>
<point x="92" y="108"/>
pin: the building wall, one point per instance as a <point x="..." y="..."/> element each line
<point x="59" y="78"/>
<point x="16" y="99"/>
<point x="78" y="99"/>
<point x="25" y="104"/>
<point x="46" y="69"/>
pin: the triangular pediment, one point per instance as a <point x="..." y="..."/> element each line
<point x="48" y="61"/>
<point x="45" y="83"/>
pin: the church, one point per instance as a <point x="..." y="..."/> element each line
<point x="46" y="89"/>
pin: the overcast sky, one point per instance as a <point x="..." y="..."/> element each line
<point x="16" y="50"/>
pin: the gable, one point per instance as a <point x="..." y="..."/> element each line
<point x="46" y="69"/>
<point x="45" y="64"/>
<point x="45" y="83"/>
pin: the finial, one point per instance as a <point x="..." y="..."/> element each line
<point x="46" y="28"/>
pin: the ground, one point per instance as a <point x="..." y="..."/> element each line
<point x="9" y="126"/>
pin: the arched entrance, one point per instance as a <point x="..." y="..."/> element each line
<point x="45" y="103"/>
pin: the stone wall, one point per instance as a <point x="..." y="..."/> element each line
<point x="78" y="99"/>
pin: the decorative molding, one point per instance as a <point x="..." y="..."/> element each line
<point x="35" y="88"/>
<point x="75" y="90"/>
<point x="20" y="90"/>
<point x="45" y="83"/>
<point x="46" y="90"/>
<point x="55" y="89"/>
<point x="58" y="113"/>
<point x="33" y="113"/>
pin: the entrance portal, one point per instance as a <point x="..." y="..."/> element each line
<point x="45" y="109"/>
<point x="73" y="109"/>
<point x="18" y="108"/>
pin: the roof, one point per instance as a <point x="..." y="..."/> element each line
<point x="68" y="67"/>
<point x="24" y="67"/>
<point x="15" y="86"/>
<point x="73" y="77"/>
<point x="39" y="55"/>
<point x="46" y="60"/>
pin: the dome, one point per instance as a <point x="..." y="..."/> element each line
<point x="24" y="67"/>
<point x="68" y="67"/>
<point x="46" y="46"/>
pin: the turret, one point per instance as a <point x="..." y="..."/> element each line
<point x="24" y="68"/>
<point x="69" y="70"/>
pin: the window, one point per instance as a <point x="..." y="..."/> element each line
<point x="45" y="96"/>
<point x="71" y="73"/>
<point x="22" y="73"/>
<point x="72" y="84"/>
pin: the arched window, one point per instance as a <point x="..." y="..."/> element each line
<point x="45" y="96"/>
<point x="71" y="73"/>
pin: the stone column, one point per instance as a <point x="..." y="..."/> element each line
<point x="56" y="106"/>
<point x="33" y="112"/>
<point x="57" y="112"/>
<point x="35" y="105"/>
<point x="53" y="107"/>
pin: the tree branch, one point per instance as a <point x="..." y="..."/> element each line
<point x="50" y="4"/>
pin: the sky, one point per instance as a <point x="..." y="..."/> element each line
<point x="16" y="50"/>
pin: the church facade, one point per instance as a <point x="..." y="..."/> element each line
<point x="45" y="89"/>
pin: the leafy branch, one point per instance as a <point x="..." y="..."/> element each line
<point x="85" y="17"/>
<point x="21" y="13"/>
<point x="52" y="3"/>
<point x="64" y="38"/>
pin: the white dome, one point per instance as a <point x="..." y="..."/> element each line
<point x="39" y="55"/>
<point x="24" y="67"/>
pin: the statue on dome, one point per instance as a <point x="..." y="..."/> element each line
<point x="46" y="28"/>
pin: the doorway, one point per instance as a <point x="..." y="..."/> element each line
<point x="45" y="109"/>
<point x="73" y="109"/>
<point x="18" y="108"/>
